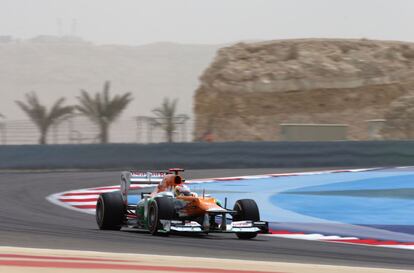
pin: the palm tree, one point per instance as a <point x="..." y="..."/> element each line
<point x="41" y="116"/>
<point x="103" y="110"/>
<point x="166" y="118"/>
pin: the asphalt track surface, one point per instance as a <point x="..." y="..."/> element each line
<point x="27" y="219"/>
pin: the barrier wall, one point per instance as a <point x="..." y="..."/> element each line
<point x="209" y="155"/>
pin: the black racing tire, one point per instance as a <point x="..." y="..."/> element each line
<point x="162" y="208"/>
<point x="246" y="210"/>
<point x="110" y="211"/>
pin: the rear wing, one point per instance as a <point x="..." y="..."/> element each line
<point x="150" y="177"/>
<point x="140" y="178"/>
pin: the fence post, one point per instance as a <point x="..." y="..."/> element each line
<point x="3" y="130"/>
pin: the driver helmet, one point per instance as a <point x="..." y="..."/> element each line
<point x="182" y="190"/>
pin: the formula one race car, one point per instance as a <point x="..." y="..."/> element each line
<point x="172" y="207"/>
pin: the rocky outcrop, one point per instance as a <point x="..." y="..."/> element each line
<point x="399" y="119"/>
<point x="250" y="89"/>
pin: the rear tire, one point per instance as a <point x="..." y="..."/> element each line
<point x="247" y="210"/>
<point x="162" y="208"/>
<point x="110" y="211"/>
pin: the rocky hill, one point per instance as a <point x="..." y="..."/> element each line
<point x="61" y="66"/>
<point x="250" y="89"/>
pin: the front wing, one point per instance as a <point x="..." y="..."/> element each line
<point x="234" y="227"/>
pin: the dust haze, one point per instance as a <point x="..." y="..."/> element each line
<point x="158" y="49"/>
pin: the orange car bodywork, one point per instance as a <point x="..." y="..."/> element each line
<point x="191" y="205"/>
<point x="197" y="206"/>
<point x="168" y="184"/>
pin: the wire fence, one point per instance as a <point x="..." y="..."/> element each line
<point x="142" y="129"/>
<point x="80" y="130"/>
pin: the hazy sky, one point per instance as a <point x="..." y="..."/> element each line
<point x="207" y="21"/>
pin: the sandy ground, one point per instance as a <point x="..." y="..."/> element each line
<point x="17" y="260"/>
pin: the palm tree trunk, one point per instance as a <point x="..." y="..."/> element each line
<point x="104" y="134"/>
<point x="42" y="139"/>
<point x="169" y="136"/>
<point x="170" y="130"/>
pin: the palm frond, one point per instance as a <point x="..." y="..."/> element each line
<point x="39" y="114"/>
<point x="166" y="117"/>
<point x="117" y="105"/>
<point x="101" y="108"/>
<point x="87" y="106"/>
<point x="35" y="111"/>
<point x="106" y="87"/>
<point x="59" y="112"/>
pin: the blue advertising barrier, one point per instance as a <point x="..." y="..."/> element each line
<point x="208" y="155"/>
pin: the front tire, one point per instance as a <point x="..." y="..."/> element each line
<point x="110" y="211"/>
<point x="162" y="208"/>
<point x="246" y="210"/>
